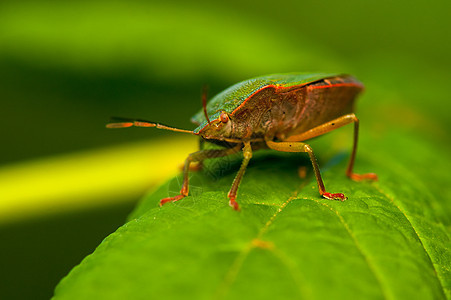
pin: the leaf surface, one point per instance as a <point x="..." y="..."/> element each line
<point x="390" y="239"/>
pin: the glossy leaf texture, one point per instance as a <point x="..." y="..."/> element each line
<point x="389" y="240"/>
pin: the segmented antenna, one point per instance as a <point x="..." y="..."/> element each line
<point x="204" y="102"/>
<point x="118" y="122"/>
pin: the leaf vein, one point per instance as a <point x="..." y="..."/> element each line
<point x="392" y="201"/>
<point x="370" y="264"/>
<point x="292" y="268"/>
<point x="234" y="269"/>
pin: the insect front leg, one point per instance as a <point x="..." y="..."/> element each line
<point x="247" y="153"/>
<point x="302" y="147"/>
<point x="198" y="157"/>
<point x="332" y="125"/>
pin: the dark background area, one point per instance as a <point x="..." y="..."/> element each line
<point x="66" y="68"/>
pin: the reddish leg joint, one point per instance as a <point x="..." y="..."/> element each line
<point x="234" y="204"/>
<point x="183" y="194"/>
<point x="337" y="196"/>
<point x="232" y="201"/>
<point x="171" y="199"/>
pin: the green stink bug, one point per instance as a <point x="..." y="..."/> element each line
<point x="279" y="112"/>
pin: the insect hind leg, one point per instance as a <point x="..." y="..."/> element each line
<point x="330" y="126"/>
<point x="302" y="147"/>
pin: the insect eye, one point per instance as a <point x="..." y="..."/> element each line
<point x="224" y="117"/>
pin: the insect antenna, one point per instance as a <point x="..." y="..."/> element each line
<point x="204" y="102"/>
<point x="119" y="122"/>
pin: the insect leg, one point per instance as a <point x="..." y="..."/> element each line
<point x="195" y="166"/>
<point x="349" y="170"/>
<point x="329" y="126"/>
<point x="247" y="152"/>
<point x="198" y="156"/>
<point x="302" y="147"/>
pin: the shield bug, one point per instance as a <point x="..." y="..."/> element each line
<point x="280" y="112"/>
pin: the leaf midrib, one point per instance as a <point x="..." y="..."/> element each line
<point x="234" y="269"/>
<point x="236" y="265"/>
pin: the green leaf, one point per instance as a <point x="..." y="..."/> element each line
<point x="390" y="239"/>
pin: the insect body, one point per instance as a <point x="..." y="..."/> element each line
<point x="279" y="112"/>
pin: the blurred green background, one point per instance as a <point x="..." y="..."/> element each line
<point x="66" y="68"/>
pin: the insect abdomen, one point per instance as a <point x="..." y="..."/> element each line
<point x="319" y="102"/>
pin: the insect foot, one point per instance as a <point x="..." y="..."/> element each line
<point x="234" y="204"/>
<point x="337" y="196"/>
<point x="171" y="199"/>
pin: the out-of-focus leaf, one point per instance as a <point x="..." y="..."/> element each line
<point x="388" y="240"/>
<point x="87" y="179"/>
